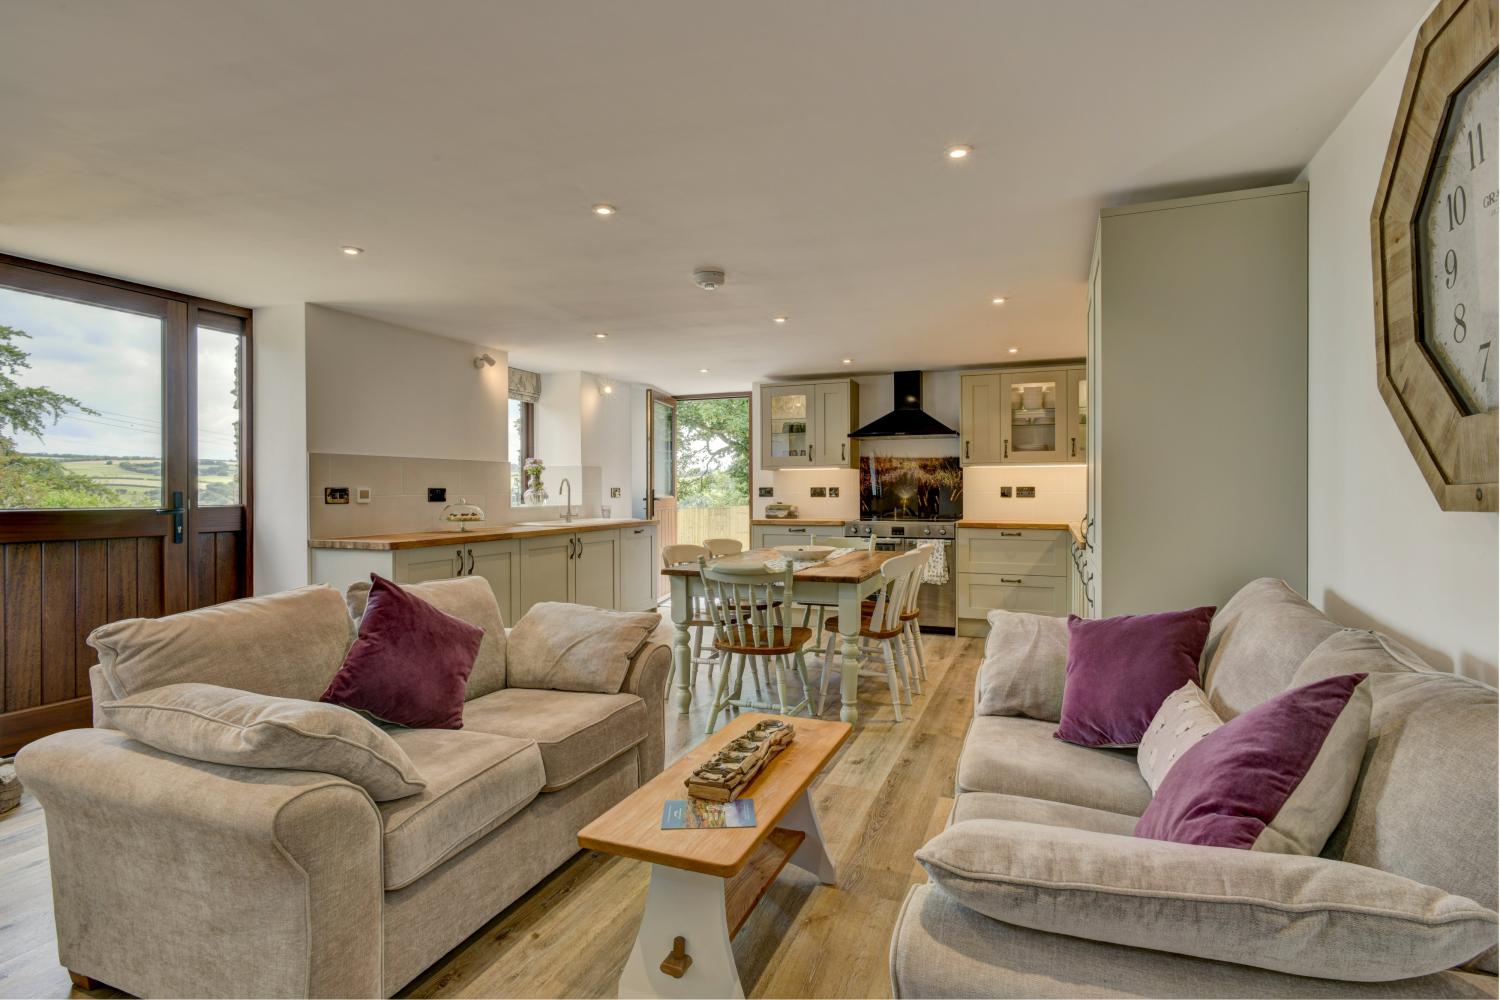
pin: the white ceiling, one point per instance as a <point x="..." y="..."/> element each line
<point x="229" y="148"/>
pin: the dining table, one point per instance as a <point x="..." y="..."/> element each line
<point x="843" y="579"/>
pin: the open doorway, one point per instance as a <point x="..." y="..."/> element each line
<point x="713" y="468"/>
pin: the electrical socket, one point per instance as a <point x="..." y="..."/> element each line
<point x="766" y="491"/>
<point x="437" y="494"/>
<point x="833" y="491"/>
<point x="818" y="491"/>
<point x="1005" y="492"/>
<point x="336" y="494"/>
<point x="614" y="492"/>
<point x="1026" y="492"/>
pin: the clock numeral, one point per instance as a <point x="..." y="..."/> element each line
<point x="1450" y="267"/>
<point x="1484" y="365"/>
<point x="1458" y="207"/>
<point x="1460" y="328"/>
<point x="1479" y="146"/>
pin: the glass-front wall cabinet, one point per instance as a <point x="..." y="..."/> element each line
<point x="1030" y="428"/>
<point x="788" y="426"/>
<point x="1078" y="434"/>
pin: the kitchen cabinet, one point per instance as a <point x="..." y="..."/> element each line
<point x="807" y="425"/>
<point x="768" y="536"/>
<point x="1021" y="416"/>
<point x="1011" y="569"/>
<point x="500" y="564"/>
<point x="636" y="588"/>
<point x="580" y="568"/>
<point x="596" y="569"/>
<point x="1078" y="415"/>
<point x="497" y="562"/>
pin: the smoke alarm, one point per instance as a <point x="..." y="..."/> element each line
<point x="707" y="278"/>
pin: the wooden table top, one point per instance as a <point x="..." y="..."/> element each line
<point x="849" y="566"/>
<point x="633" y="828"/>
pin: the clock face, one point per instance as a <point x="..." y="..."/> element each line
<point x="1456" y="245"/>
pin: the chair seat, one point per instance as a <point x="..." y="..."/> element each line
<point x="475" y="782"/>
<point x="577" y="732"/>
<point x="907" y="616"/>
<point x="866" y="630"/>
<point x="799" y="637"/>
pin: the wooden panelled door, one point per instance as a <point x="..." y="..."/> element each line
<point x="124" y="480"/>
<point x="661" y="470"/>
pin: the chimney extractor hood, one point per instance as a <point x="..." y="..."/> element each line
<point x="908" y="419"/>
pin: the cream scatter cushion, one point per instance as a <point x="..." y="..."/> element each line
<point x="1183" y="719"/>
<point x="227" y="726"/>
<point x="1025" y="664"/>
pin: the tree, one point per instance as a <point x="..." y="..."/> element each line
<point x="713" y="452"/>
<point x="32" y="481"/>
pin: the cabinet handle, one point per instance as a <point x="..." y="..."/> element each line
<point x="471" y="561"/>
<point x="1072" y="447"/>
<point x="1005" y="448"/>
<point x="1007" y="580"/>
<point x="966" y="450"/>
<point x="1010" y="534"/>
<point x="796" y="531"/>
<point x="579" y="556"/>
<point x="640" y="531"/>
<point x="571" y="543"/>
<point x="460" y="570"/>
<point x="809" y="454"/>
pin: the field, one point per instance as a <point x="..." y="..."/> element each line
<point x="141" y="488"/>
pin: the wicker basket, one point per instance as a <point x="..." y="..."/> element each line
<point x="10" y="785"/>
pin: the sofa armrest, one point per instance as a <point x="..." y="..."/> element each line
<point x="1307" y="916"/>
<point x="175" y="877"/>
<point x="649" y="671"/>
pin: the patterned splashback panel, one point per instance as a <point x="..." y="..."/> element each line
<point x="900" y="487"/>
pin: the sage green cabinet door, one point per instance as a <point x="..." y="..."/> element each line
<point x="638" y="570"/>
<point x="1033" y="417"/>
<point x="1078" y="415"/>
<point x="546" y="571"/>
<point x="788" y="426"/>
<point x="979" y="420"/>
<point x="499" y="563"/>
<point x="440" y="563"/>
<point x="767" y="536"/>
<point x="1013" y="551"/>
<point x="596" y="569"/>
<point x="980" y="593"/>
<point x="834" y="420"/>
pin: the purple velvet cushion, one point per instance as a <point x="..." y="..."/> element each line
<point x="1121" y="669"/>
<point x="410" y="664"/>
<point x="1277" y="778"/>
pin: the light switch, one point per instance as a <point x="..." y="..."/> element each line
<point x="361" y="494"/>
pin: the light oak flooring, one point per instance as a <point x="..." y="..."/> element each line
<point x="886" y="792"/>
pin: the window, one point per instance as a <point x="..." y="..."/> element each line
<point x="221" y="362"/>
<point x="522" y="444"/>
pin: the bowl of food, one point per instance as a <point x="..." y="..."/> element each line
<point x="806" y="553"/>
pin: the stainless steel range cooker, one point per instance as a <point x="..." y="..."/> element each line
<point x="938" y="601"/>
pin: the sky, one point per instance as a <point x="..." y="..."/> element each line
<point x="111" y="362"/>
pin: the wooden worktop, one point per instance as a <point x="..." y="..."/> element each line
<point x="432" y="539"/>
<point x="821" y="522"/>
<point x="1070" y="528"/>
<point x="848" y="566"/>
<point x="633" y="827"/>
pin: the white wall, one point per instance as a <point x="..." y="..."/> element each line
<point x="1381" y="553"/>
<point x="379" y="389"/>
<point x="606" y="442"/>
<point x="280" y="445"/>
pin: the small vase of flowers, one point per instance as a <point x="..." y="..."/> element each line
<point x="532" y="469"/>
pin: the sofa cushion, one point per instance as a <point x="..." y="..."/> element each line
<point x="1255" y="643"/>
<point x="475" y="782"/>
<point x="1121" y="669"/>
<point x="989" y="805"/>
<point x="1025" y="662"/>
<point x="1306" y="916"/>
<point x="469" y="599"/>
<point x="1183" y="719"/>
<point x="572" y="647"/>
<point x="288" y="644"/>
<point x="1019" y="757"/>
<point x="577" y="732"/>
<point x="1424" y="804"/>
<point x="1274" y="779"/>
<point x="227" y="726"/>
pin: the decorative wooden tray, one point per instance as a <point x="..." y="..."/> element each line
<point x="725" y="775"/>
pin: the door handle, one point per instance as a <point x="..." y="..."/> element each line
<point x="178" y="512"/>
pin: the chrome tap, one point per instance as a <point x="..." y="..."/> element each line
<point x="567" y="514"/>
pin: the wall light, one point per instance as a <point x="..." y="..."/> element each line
<point x="484" y="361"/>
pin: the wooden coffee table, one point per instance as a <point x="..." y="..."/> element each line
<point x="704" y="883"/>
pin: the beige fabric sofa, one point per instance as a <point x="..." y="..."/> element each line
<point x="174" y="877"/>
<point x="1425" y="808"/>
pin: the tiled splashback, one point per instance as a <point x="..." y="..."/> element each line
<point x="1061" y="493"/>
<point x="398" y="488"/>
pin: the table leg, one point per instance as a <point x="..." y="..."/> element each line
<point x="688" y="905"/>
<point x="682" y="654"/>
<point x="812" y="855"/>
<point x="849" y="618"/>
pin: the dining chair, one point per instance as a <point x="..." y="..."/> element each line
<point x="917" y="657"/>
<point x="866" y="544"/>
<point x="724" y="546"/>
<point x="698" y="617"/>
<point x="881" y="632"/>
<point x="747" y="601"/>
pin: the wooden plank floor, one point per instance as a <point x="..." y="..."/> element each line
<point x="886" y="792"/>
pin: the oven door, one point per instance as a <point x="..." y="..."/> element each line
<point x="938" y="602"/>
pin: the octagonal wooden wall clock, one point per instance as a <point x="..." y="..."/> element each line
<point x="1433" y="240"/>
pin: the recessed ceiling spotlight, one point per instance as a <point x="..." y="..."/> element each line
<point x="1013" y="350"/>
<point x="848" y="361"/>
<point x="959" y="152"/>
<point x="609" y="390"/>
<point x="702" y="371"/>
<point x="603" y="209"/>
<point x="998" y="300"/>
<point x="601" y="335"/>
<point x="351" y="250"/>
<point x="778" y="319"/>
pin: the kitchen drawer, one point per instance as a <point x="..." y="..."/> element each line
<point x="980" y="593"/>
<point x="1013" y="551"/>
<point x="766" y="536"/>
